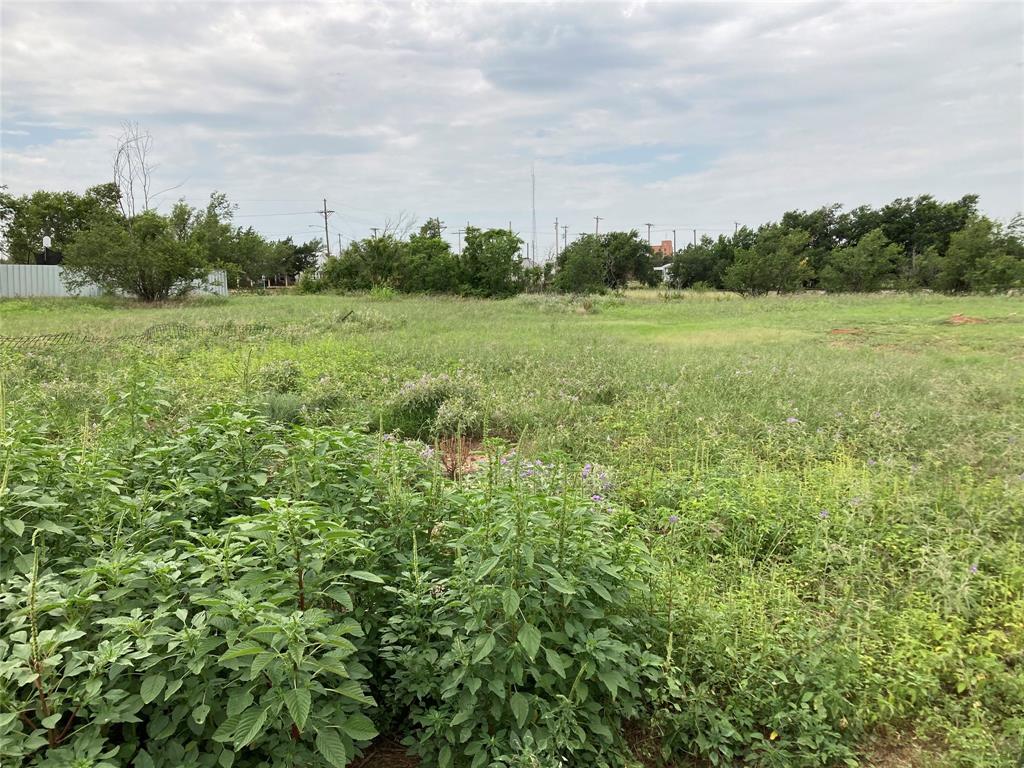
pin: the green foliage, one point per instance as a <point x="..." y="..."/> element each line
<point x="528" y="642"/>
<point x="489" y="264"/>
<point x="810" y="543"/>
<point x="776" y="263"/>
<point x="866" y="266"/>
<point x="366" y="263"/>
<point x="143" y="257"/>
<point x="430" y="266"/>
<point x="582" y="266"/>
<point x="25" y="219"/>
<point x="980" y="257"/>
<point x="592" y="263"/>
<point x="432" y="407"/>
<point x="150" y="619"/>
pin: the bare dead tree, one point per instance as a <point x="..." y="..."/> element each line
<point x="401" y="225"/>
<point x="133" y="169"/>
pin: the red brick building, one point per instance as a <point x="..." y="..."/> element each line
<point x="665" y="249"/>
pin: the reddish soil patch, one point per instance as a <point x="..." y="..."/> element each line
<point x="461" y="455"/>
<point x="959" y="319"/>
<point x="846" y="331"/>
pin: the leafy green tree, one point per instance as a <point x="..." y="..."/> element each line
<point x="582" y="266"/>
<point x="366" y="263"/>
<point x="490" y="264"/>
<point x="628" y="257"/>
<point x="822" y="228"/>
<point x="865" y="266"/>
<point x="707" y="262"/>
<point x="144" y="257"/>
<point x="982" y="256"/>
<point x="428" y="266"/>
<point x="776" y="262"/>
<point x="595" y="263"/>
<point x="26" y="219"/>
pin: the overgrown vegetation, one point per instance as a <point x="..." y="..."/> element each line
<point x="908" y="244"/>
<point x="702" y="531"/>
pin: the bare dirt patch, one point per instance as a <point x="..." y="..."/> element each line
<point x="904" y="752"/>
<point x="461" y="455"/>
<point x="846" y="331"/>
<point x="959" y="319"/>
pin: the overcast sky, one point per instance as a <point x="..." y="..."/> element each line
<point x="683" y="115"/>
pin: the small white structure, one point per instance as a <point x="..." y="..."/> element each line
<point x="663" y="271"/>
<point x="32" y="280"/>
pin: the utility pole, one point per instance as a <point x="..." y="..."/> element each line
<point x="597" y="222"/>
<point x="735" y="228"/>
<point x="460" y="232"/>
<point x="673" y="241"/>
<point x="695" y="237"/>
<point x="565" y="236"/>
<point x="375" y="230"/>
<point x="556" y="238"/>
<point x="327" y="235"/>
<point x="648" y="234"/>
<point x="339" y="243"/>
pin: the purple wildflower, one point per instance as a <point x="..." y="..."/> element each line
<point x="597" y="497"/>
<point x="673" y="519"/>
<point x="587" y="469"/>
<point x="872" y="462"/>
<point x="526" y="473"/>
<point x="427" y="453"/>
<point x="974" y="568"/>
<point x="387" y="437"/>
<point x="504" y="460"/>
<point x="876" y="415"/>
<point x="823" y="514"/>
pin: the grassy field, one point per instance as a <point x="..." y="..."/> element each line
<point x="831" y="488"/>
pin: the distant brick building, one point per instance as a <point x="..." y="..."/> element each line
<point x="665" y="249"/>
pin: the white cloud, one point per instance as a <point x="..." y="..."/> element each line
<point x="685" y="115"/>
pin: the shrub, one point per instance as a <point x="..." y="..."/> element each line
<point x="141" y="258"/>
<point x="434" y="406"/>
<point x="281" y="376"/>
<point x="143" y="627"/>
<point x="514" y="642"/>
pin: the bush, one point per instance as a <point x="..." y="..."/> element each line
<point x="141" y="258"/>
<point x="182" y="632"/>
<point x="524" y="649"/>
<point x="433" y="406"/>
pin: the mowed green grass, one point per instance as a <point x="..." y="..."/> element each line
<point x="849" y="463"/>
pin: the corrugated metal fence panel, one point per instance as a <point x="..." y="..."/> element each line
<point x="216" y="282"/>
<point x="25" y="280"/>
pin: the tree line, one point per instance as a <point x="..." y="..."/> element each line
<point x="909" y="244"/>
<point x="144" y="253"/>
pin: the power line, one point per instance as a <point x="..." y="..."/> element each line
<point x="260" y="215"/>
